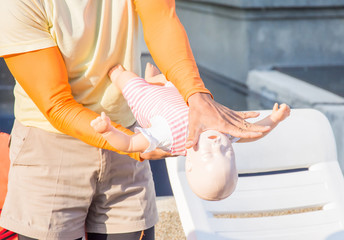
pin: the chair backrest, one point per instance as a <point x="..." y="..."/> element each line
<point x="4" y="166"/>
<point x="305" y="204"/>
<point x="285" y="151"/>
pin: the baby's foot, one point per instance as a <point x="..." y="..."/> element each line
<point x="151" y="71"/>
<point x="279" y="113"/>
<point x="115" y="72"/>
<point x="101" y="124"/>
<point x="119" y="76"/>
<point x="153" y="75"/>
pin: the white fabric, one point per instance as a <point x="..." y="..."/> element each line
<point x="233" y="139"/>
<point x="159" y="134"/>
<point x="147" y="101"/>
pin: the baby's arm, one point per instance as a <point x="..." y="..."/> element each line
<point x="279" y="113"/>
<point x="119" y="140"/>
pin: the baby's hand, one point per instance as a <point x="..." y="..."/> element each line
<point x="101" y="124"/>
<point x="280" y="113"/>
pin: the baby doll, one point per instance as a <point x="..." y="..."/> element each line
<point x="163" y="118"/>
<point x="158" y="108"/>
<point x="210" y="166"/>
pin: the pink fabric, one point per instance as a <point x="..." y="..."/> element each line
<point x="147" y="101"/>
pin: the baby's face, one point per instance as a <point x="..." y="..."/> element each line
<point x="210" y="166"/>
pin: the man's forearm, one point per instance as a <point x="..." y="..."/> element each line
<point x="169" y="45"/>
<point x="43" y="76"/>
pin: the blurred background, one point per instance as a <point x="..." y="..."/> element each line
<point x="252" y="53"/>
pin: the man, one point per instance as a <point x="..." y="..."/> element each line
<point x="65" y="178"/>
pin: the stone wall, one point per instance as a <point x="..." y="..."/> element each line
<point x="232" y="37"/>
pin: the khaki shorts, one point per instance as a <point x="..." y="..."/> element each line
<point x="60" y="186"/>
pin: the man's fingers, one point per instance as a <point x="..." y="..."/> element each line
<point x="190" y="142"/>
<point x="251" y="127"/>
<point x="194" y="133"/>
<point x="206" y="114"/>
<point x="246" y="115"/>
<point x="155" y="155"/>
<point x="236" y="126"/>
<point x="243" y="125"/>
<point x="240" y="133"/>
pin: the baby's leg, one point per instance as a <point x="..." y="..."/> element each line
<point x="151" y="70"/>
<point x="119" y="76"/>
<point x="153" y="75"/>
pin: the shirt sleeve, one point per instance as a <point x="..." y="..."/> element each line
<point x="169" y="46"/>
<point x="43" y="76"/>
<point x="23" y="26"/>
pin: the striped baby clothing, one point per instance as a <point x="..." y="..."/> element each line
<point x="161" y="112"/>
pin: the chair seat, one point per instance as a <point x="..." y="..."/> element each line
<point x="302" y="189"/>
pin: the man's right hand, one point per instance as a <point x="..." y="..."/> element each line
<point x="155" y="155"/>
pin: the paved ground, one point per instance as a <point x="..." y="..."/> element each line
<point x="169" y="226"/>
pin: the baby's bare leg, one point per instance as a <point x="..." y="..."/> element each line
<point x="151" y="71"/>
<point x="119" y="76"/>
<point x="153" y="75"/>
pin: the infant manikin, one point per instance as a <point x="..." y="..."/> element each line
<point x="210" y="166"/>
<point x="163" y="116"/>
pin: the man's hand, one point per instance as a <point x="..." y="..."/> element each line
<point x="205" y="113"/>
<point x="155" y="155"/>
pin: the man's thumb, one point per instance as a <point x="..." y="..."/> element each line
<point x="191" y="140"/>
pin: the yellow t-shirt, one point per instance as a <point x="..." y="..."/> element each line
<point x="92" y="36"/>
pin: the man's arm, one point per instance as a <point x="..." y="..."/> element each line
<point x="168" y="43"/>
<point x="43" y="76"/>
<point x="169" y="46"/>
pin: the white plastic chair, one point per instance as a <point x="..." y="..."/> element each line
<point x="290" y="187"/>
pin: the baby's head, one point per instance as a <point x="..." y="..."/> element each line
<point x="210" y="166"/>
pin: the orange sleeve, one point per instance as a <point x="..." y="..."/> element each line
<point x="169" y="46"/>
<point x="43" y="76"/>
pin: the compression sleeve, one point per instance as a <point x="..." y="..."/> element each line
<point x="43" y="76"/>
<point x="169" y="46"/>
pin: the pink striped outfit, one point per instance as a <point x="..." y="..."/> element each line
<point x="161" y="112"/>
